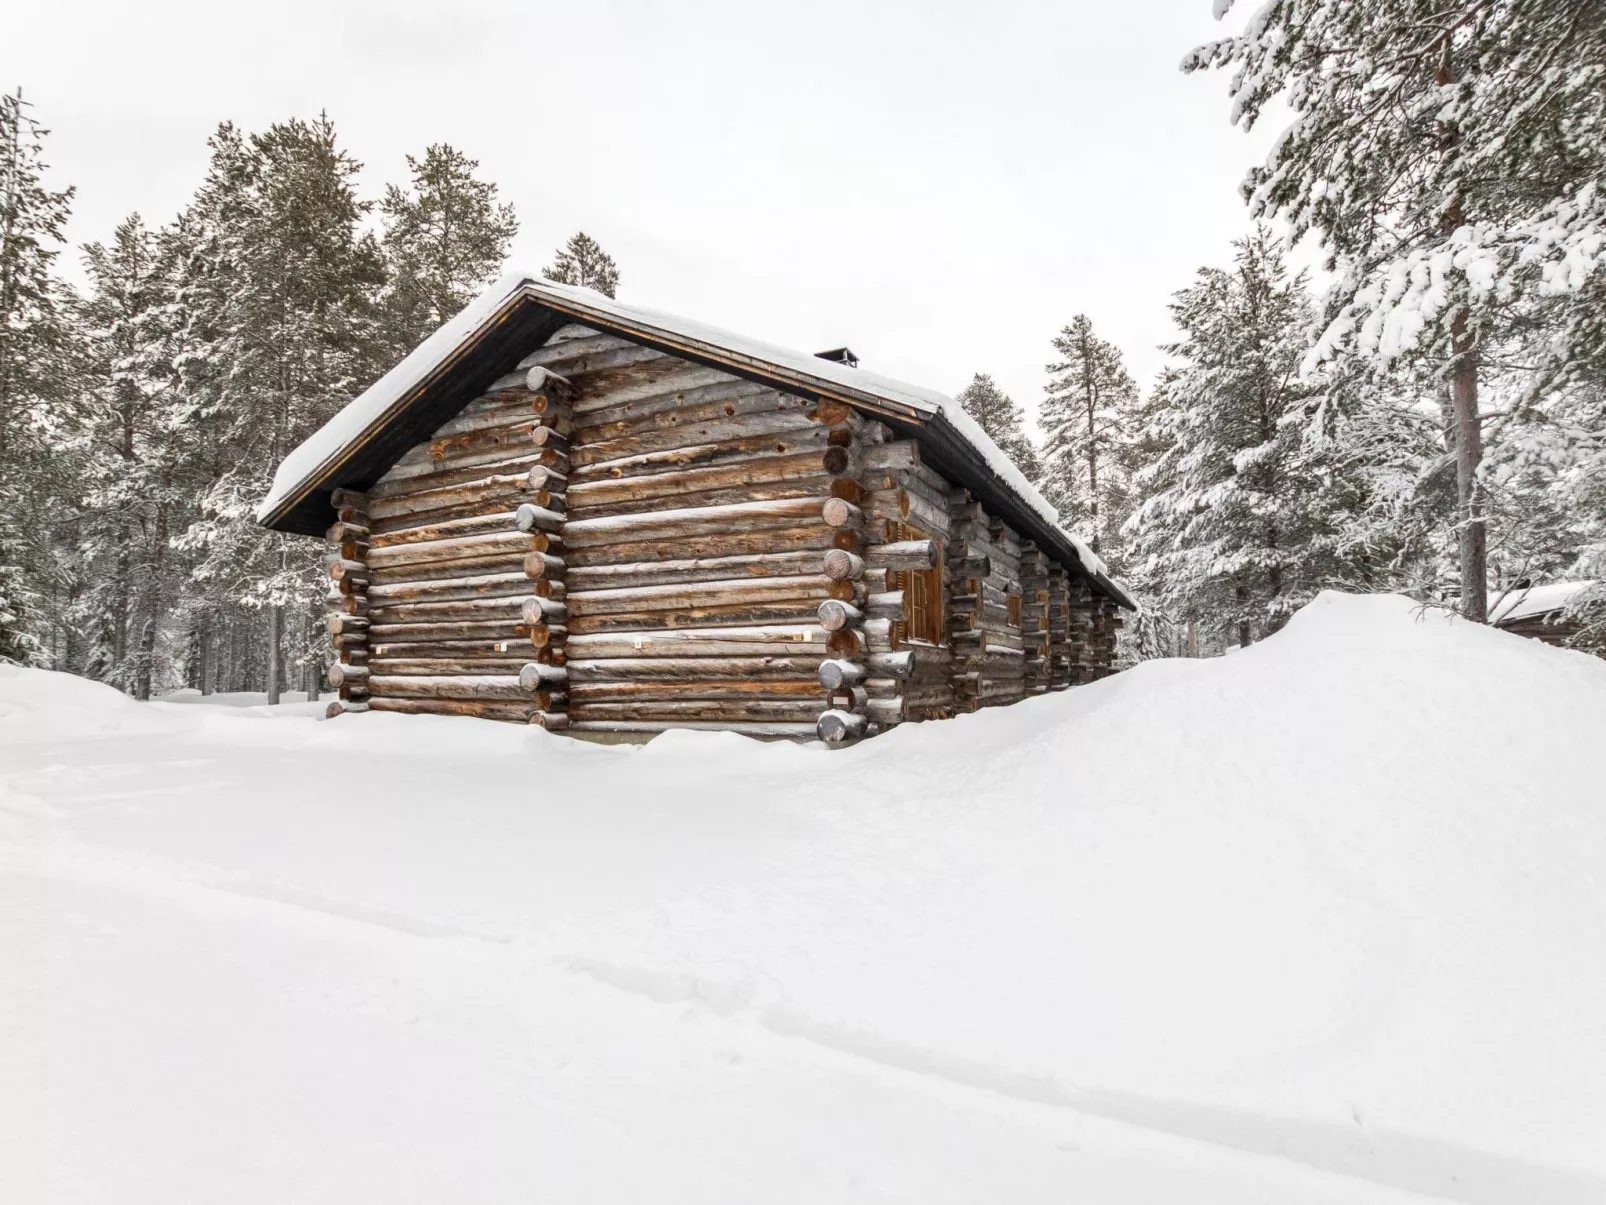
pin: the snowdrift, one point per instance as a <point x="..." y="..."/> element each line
<point x="1319" y="921"/>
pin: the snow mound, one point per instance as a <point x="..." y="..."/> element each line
<point x="1320" y="921"/>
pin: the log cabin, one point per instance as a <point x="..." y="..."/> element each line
<point x="609" y="521"/>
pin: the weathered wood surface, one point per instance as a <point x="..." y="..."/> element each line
<point x="641" y="542"/>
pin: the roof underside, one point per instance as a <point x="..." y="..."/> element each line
<point x="454" y="366"/>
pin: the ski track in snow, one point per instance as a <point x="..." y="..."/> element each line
<point x="1415" y="1165"/>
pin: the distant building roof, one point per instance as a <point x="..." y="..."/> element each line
<point x="523" y="309"/>
<point x="1530" y="602"/>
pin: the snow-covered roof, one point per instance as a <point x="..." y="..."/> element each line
<point x="1533" y="601"/>
<point x="314" y="464"/>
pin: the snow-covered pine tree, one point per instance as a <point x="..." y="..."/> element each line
<point x="997" y="414"/>
<point x="1224" y="534"/>
<point x="35" y="369"/>
<point x="582" y="261"/>
<point x="132" y="495"/>
<point x="1088" y="418"/>
<point x="445" y="238"/>
<point x="1451" y="156"/>
<point x="281" y="286"/>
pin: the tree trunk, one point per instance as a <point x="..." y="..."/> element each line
<point x="1472" y="535"/>
<point x="275" y="625"/>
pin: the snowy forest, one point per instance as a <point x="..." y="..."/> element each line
<point x="1422" y="409"/>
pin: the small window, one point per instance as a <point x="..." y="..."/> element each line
<point x="923" y="605"/>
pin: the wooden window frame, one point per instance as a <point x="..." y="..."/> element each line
<point x="925" y="604"/>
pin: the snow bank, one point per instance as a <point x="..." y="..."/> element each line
<point x="1318" y="922"/>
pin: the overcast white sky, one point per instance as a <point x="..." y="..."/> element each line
<point x="939" y="186"/>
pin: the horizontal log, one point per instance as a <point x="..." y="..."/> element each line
<point x="551" y="721"/>
<point x="534" y="518"/>
<point x="347" y="604"/>
<point x="436" y="474"/>
<point x="505" y="665"/>
<point x="488" y="585"/>
<point x="693" y="569"/>
<point x="836" y="615"/>
<point x="471" y="708"/>
<point x="781" y="611"/>
<point x="356" y="499"/>
<point x="691" y="669"/>
<point x="709" y="398"/>
<point x="343" y="707"/>
<point x="341" y="570"/>
<point x="491" y="564"/>
<point x="848" y="644"/>
<point x="507" y="543"/>
<point x="839" y="512"/>
<point x="785" y="639"/>
<point x="543" y="634"/>
<point x="779" y="541"/>
<point x="686" y="595"/>
<point x="814" y="488"/>
<point x="848" y="698"/>
<point x="792" y="710"/>
<point x="341" y="674"/>
<point x="892" y="665"/>
<point x="903" y="555"/>
<point x="776" y="689"/>
<point x="841" y="565"/>
<point x="542" y="564"/>
<point x="499" y="441"/>
<point x="836" y="727"/>
<point x="627" y="441"/>
<point x="347" y="625"/>
<point x="507" y="687"/>
<point x="681" y="522"/>
<point x="538" y="610"/>
<point x="510" y="610"/>
<point x="779" y="467"/>
<point x="385" y="633"/>
<point x="836" y="674"/>
<point x="481" y="490"/>
<point x="884" y="711"/>
<point x="418" y="529"/>
<point x="339" y="533"/>
<point x="536" y="676"/>
<point x="737" y="442"/>
<point x="887" y="605"/>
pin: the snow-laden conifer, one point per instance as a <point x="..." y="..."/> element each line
<point x="446" y="237"/>
<point x="997" y="414"/>
<point x="34" y="373"/>
<point x="1450" y="156"/>
<point x="1088" y="412"/>
<point x="582" y="261"/>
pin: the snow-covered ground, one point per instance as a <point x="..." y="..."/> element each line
<point x="1321" y="922"/>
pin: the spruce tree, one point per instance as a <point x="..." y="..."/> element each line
<point x="998" y="415"/>
<point x="35" y="352"/>
<point x="582" y="261"/>
<point x="1449" y="154"/>
<point x="445" y="238"/>
<point x="282" y="334"/>
<point x="132" y="496"/>
<point x="1088" y="416"/>
<point x="1226" y="533"/>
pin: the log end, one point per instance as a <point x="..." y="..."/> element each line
<point x="838" y="727"/>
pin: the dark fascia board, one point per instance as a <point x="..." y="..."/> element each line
<point x="524" y="323"/>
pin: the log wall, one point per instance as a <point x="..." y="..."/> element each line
<point x="614" y="540"/>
